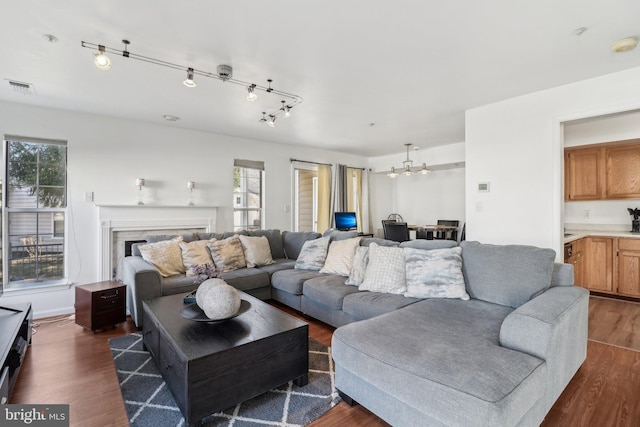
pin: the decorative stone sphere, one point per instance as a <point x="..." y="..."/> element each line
<point x="220" y="302"/>
<point x="204" y="288"/>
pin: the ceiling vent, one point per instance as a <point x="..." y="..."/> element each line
<point x="23" y="88"/>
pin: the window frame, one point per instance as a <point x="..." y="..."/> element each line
<point x="253" y="165"/>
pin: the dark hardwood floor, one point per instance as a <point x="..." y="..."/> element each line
<point x="67" y="364"/>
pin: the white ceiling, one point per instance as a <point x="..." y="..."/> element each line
<point x="410" y="67"/>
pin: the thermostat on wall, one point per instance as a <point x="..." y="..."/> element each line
<point x="483" y="187"/>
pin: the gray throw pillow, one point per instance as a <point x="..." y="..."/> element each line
<point x="358" y="267"/>
<point x="435" y="273"/>
<point x="508" y="275"/>
<point x="313" y="254"/>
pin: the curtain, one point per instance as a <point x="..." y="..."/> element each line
<point x="365" y="226"/>
<point x="338" y="192"/>
<point x="325" y="214"/>
<point x="354" y="194"/>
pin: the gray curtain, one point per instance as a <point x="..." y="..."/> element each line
<point x="338" y="192"/>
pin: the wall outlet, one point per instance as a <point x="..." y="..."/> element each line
<point x="587" y="213"/>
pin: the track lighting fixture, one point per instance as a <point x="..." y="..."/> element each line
<point x="101" y="60"/>
<point x="224" y="74"/>
<point x="252" y="94"/>
<point x="188" y="82"/>
<point x="407" y="167"/>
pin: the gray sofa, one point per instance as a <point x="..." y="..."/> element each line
<point x="501" y="358"/>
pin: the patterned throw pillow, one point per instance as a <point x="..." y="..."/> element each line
<point x="340" y="257"/>
<point x="257" y="251"/>
<point x="313" y="254"/>
<point x="435" y="273"/>
<point x="166" y="256"/>
<point x="195" y="253"/>
<point x="227" y="254"/>
<point x="359" y="266"/>
<point x="385" y="271"/>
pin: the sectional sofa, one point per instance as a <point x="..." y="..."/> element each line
<point x="500" y="358"/>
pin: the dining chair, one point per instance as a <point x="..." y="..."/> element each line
<point x="396" y="231"/>
<point x="448" y="234"/>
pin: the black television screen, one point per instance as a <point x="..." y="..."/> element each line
<point x="346" y="220"/>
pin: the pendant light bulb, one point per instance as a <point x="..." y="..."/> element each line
<point x="407" y="170"/>
<point x="101" y="60"/>
<point x="424" y="170"/>
<point x="188" y="82"/>
<point x="251" y="96"/>
<point x="393" y="173"/>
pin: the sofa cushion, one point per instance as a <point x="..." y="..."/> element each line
<point x="456" y="371"/>
<point x="506" y="274"/>
<point x="187" y="237"/>
<point x="227" y="254"/>
<point x="313" y="254"/>
<point x="165" y="255"/>
<point x="246" y="278"/>
<point x="256" y="250"/>
<point x="339" y="234"/>
<point x="364" y="305"/>
<point x="275" y="241"/>
<point x="327" y="290"/>
<point x="195" y="253"/>
<point x="340" y="256"/>
<point x="428" y="244"/>
<point x="367" y="241"/>
<point x="358" y="266"/>
<point x="435" y="273"/>
<point x="209" y="236"/>
<point x="293" y="241"/>
<point x="385" y="271"/>
<point x="291" y="281"/>
<point x="278" y="264"/>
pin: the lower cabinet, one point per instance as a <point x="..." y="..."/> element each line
<point x="598" y="264"/>
<point x="628" y="267"/>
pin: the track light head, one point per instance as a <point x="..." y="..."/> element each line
<point x="188" y="82"/>
<point x="251" y="96"/>
<point x="264" y="118"/>
<point x="285" y="109"/>
<point x="101" y="60"/>
<point x="272" y="121"/>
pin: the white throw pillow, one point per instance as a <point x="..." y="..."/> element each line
<point x="340" y="257"/>
<point x="359" y="267"/>
<point x="435" y="273"/>
<point x="385" y="271"/>
<point x="313" y="254"/>
<point x="195" y="253"/>
<point x="257" y="251"/>
<point x="166" y="256"/>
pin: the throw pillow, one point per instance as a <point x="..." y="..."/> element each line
<point x="195" y="253"/>
<point x="340" y="256"/>
<point x="227" y="254"/>
<point x="435" y="273"/>
<point x="256" y="251"/>
<point x="166" y="256"/>
<point x="359" y="266"/>
<point x="313" y="254"/>
<point x="385" y="271"/>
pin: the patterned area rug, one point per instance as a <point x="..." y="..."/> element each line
<point x="149" y="402"/>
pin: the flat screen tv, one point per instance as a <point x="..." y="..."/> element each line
<point x="346" y="220"/>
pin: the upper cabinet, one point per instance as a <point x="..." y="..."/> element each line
<point x="603" y="171"/>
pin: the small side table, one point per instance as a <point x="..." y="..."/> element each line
<point x="100" y="305"/>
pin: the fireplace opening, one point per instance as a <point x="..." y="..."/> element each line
<point x="128" y="244"/>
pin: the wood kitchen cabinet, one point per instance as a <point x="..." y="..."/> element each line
<point x="598" y="264"/>
<point x="577" y="260"/>
<point x="628" y="267"/>
<point x="606" y="171"/>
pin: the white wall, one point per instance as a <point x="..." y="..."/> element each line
<point x="616" y="127"/>
<point x="517" y="146"/>
<point x="420" y="199"/>
<point x="107" y="154"/>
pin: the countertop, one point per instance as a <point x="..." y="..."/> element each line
<point x="572" y="235"/>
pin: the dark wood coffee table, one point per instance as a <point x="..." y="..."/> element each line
<point x="213" y="366"/>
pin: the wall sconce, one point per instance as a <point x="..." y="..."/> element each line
<point x="190" y="186"/>
<point x="140" y="182"/>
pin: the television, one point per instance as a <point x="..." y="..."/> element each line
<point x="346" y="220"/>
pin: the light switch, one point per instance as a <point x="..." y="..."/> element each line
<point x="88" y="196"/>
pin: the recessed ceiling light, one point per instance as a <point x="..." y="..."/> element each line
<point x="50" y="38"/>
<point x="170" y="118"/>
<point x="624" y="45"/>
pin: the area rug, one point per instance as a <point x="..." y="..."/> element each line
<point x="149" y="402"/>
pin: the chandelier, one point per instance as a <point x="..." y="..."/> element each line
<point x="407" y="167"/>
<point x="224" y="73"/>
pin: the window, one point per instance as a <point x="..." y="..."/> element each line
<point x="248" y="184"/>
<point x="33" y="218"/>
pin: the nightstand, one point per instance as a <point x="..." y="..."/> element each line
<point x="100" y="305"/>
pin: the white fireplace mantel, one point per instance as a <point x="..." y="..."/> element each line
<point x="115" y="218"/>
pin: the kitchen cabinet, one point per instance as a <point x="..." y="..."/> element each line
<point x="584" y="173"/>
<point x="598" y="264"/>
<point x="609" y="171"/>
<point x="628" y="267"/>
<point x="577" y="260"/>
